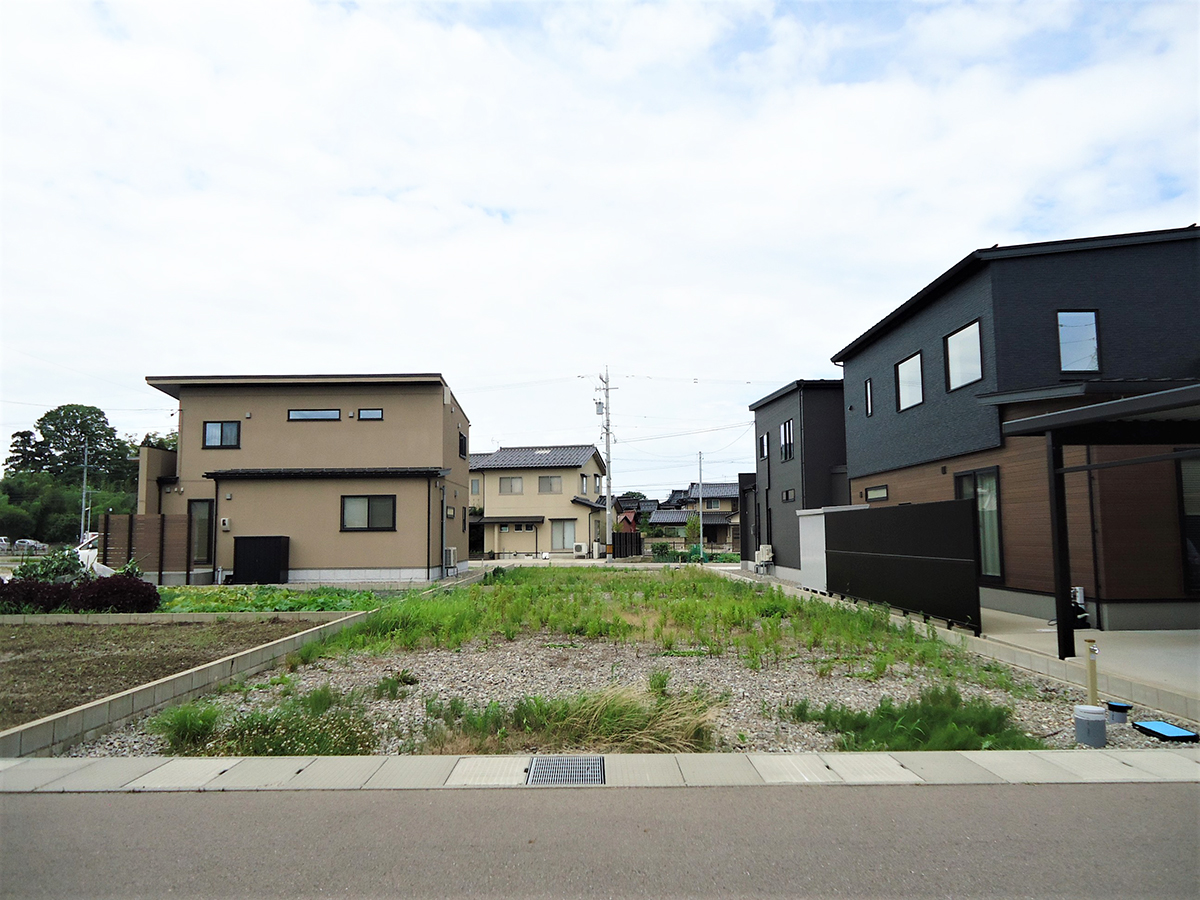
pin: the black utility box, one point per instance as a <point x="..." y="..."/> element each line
<point x="260" y="560"/>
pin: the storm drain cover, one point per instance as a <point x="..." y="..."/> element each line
<point x="566" y="770"/>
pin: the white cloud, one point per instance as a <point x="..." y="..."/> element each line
<point x="507" y="194"/>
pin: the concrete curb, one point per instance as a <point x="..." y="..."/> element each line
<point x="1072" y="673"/>
<point x="56" y="733"/>
<point x="1180" y="766"/>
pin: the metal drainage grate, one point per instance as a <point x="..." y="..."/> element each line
<point x="566" y="770"/>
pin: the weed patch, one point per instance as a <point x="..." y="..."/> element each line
<point x="938" y="720"/>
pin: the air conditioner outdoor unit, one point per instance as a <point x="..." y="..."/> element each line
<point x="580" y="550"/>
<point x="764" y="555"/>
<point x="450" y="558"/>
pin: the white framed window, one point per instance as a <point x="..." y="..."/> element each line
<point x="222" y="435"/>
<point x="449" y="512"/>
<point x="370" y="512"/>
<point x="909" y="390"/>
<point x="598" y="486"/>
<point x="474" y="485"/>
<point x="964" y="357"/>
<point x="511" y="485"/>
<point x="504" y="528"/>
<point x="583" y="485"/>
<point x="549" y="484"/>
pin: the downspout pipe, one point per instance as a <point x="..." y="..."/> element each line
<point x="428" y="524"/>
<point x="442" y="567"/>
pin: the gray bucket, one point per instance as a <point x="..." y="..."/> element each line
<point x="1089" y="726"/>
<point x="1118" y="713"/>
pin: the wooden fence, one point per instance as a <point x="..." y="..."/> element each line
<point x="158" y="544"/>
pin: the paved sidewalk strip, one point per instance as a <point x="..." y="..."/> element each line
<point x="133" y="774"/>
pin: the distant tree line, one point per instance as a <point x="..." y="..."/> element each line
<point x="43" y="473"/>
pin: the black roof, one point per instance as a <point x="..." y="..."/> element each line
<point x="799" y="384"/>
<point x="680" y="517"/>
<point x="570" y="456"/>
<point x="973" y="262"/>
<point x="718" y="490"/>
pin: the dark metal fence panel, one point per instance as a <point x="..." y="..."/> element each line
<point x="626" y="543"/>
<point x="922" y="558"/>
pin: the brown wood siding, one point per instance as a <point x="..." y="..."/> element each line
<point x="1128" y="529"/>
<point x="1138" y="513"/>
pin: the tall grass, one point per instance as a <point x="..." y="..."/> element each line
<point x="621" y="720"/>
<point x="684" y="611"/>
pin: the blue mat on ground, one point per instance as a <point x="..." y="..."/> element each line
<point x="1165" y="731"/>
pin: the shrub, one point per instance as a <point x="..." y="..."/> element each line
<point x="61" y="566"/>
<point x="23" y="596"/>
<point x="116" y="593"/>
<point x="661" y="551"/>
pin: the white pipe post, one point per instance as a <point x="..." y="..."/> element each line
<point x="608" y="500"/>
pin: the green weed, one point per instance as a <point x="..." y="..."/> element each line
<point x="186" y="727"/>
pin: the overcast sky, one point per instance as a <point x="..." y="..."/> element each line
<point x="709" y="199"/>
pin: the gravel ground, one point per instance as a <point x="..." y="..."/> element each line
<point x="748" y="720"/>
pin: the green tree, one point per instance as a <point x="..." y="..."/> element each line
<point x="168" y="441"/>
<point x="692" y="529"/>
<point x="57" y="448"/>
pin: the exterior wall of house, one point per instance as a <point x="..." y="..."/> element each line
<point x="530" y="502"/>
<point x="946" y="423"/>
<point x="1123" y="523"/>
<point x="420" y="428"/>
<point x="1144" y="296"/>
<point x="819" y="446"/>
<point x="152" y="465"/>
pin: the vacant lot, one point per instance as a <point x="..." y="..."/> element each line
<point x="45" y="669"/>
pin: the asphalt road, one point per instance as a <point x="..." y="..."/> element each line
<point x="1094" y="841"/>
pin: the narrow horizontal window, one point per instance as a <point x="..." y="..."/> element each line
<point x="879" y="492"/>
<point x="372" y="512"/>
<point x="314" y="415"/>
<point x="370" y="415"/>
<point x="222" y="435"/>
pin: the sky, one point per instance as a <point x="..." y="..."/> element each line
<point x="707" y="200"/>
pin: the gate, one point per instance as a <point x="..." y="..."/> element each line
<point x="261" y="559"/>
<point x="921" y="558"/>
<point x="626" y="543"/>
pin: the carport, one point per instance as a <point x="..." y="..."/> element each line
<point x="1169" y="417"/>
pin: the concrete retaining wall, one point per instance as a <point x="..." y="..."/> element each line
<point x="56" y="733"/>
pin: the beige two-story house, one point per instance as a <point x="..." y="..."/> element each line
<point x="353" y="478"/>
<point x="538" y="500"/>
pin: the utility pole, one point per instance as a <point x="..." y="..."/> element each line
<point x="608" y="500"/>
<point x="700" y="504"/>
<point x="83" y="495"/>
